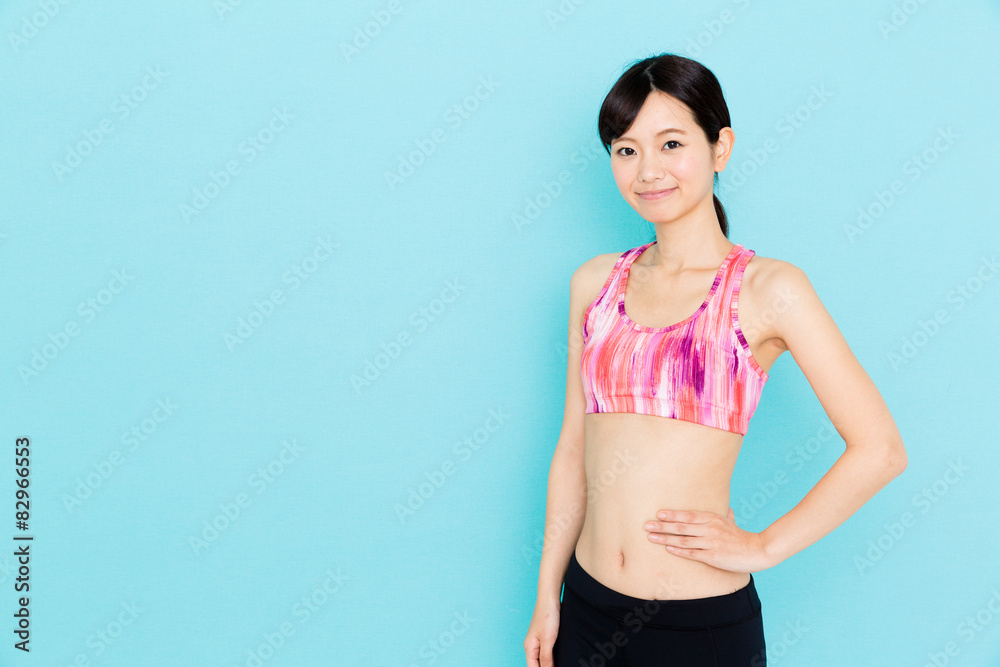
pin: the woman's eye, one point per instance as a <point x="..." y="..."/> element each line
<point x="626" y="148"/>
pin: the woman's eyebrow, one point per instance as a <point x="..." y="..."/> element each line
<point x="661" y="132"/>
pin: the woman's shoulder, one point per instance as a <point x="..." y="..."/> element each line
<point x="764" y="269"/>
<point x="769" y="280"/>
<point x="590" y="277"/>
<point x="597" y="267"/>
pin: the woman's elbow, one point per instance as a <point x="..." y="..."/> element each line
<point x="896" y="457"/>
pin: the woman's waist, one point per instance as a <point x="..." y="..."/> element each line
<point x="615" y="548"/>
<point x="689" y="607"/>
<point x="636" y="465"/>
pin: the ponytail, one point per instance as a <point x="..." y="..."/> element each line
<point x="721" y="214"/>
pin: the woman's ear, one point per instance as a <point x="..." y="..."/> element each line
<point x="723" y="148"/>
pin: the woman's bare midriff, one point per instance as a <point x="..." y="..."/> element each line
<point x="637" y="465"/>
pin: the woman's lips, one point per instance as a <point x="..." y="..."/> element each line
<point x="656" y="194"/>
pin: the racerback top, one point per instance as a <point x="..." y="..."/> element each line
<point x="697" y="370"/>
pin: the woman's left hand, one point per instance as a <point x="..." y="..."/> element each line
<point x="709" y="537"/>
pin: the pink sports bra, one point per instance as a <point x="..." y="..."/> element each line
<point x="698" y="370"/>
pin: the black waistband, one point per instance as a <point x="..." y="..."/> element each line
<point x="690" y="613"/>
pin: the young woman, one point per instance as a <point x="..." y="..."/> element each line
<point x="670" y="343"/>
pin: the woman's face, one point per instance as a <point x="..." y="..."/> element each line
<point x="665" y="149"/>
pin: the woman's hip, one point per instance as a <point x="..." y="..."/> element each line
<point x="599" y="623"/>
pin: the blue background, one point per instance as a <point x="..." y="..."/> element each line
<point x="390" y="210"/>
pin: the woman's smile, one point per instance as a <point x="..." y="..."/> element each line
<point x="655" y="194"/>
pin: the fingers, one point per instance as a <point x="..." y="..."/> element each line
<point x="538" y="653"/>
<point x="686" y="516"/>
<point x="692" y="554"/>
<point x="531" y="651"/>
<point x="673" y="542"/>
<point x="675" y="528"/>
<point x="546" y="656"/>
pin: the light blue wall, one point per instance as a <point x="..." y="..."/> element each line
<point x="234" y="166"/>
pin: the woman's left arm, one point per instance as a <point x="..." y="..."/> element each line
<point x="875" y="454"/>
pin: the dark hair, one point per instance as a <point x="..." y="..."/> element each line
<point x="689" y="81"/>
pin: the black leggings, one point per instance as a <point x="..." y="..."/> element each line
<point x="600" y="627"/>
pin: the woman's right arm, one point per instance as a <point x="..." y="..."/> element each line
<point x="566" y="502"/>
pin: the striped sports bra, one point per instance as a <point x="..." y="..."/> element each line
<point x="698" y="370"/>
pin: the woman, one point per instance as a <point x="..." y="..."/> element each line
<point x="660" y="392"/>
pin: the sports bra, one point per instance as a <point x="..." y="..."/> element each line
<point x="698" y="370"/>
